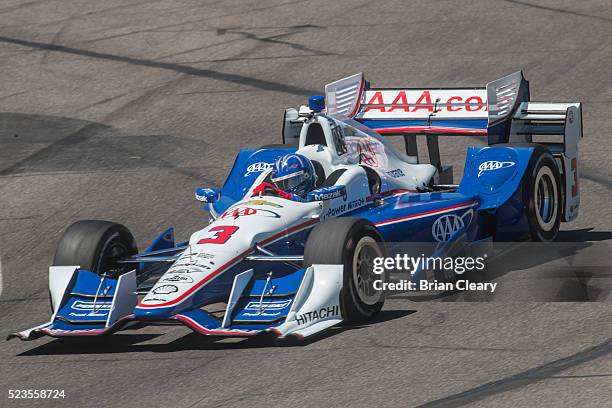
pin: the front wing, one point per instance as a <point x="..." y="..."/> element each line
<point x="85" y="304"/>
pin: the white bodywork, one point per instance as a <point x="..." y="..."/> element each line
<point x="227" y="240"/>
<point x="59" y="279"/>
<point x="259" y="221"/>
<point x="361" y="146"/>
<point x="317" y="302"/>
<point x="256" y="220"/>
<point x="125" y="298"/>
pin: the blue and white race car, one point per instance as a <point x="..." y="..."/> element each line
<point x="291" y="265"/>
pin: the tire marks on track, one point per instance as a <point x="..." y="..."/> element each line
<point x="522" y="379"/>
<point x="257" y="83"/>
<point x="557" y="10"/>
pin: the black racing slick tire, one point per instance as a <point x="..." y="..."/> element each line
<point x="542" y="195"/>
<point x="353" y="243"/>
<point x="96" y="246"/>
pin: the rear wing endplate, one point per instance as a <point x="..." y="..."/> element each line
<point x="558" y="126"/>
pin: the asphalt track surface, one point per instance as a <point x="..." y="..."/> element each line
<point x="117" y="110"/>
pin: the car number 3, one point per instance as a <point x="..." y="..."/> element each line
<point x="218" y="235"/>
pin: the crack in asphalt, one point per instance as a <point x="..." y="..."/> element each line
<point x="521" y="379"/>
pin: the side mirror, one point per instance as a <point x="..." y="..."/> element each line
<point x="207" y="195"/>
<point x="327" y="193"/>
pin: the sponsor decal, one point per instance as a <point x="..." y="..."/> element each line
<point x="422" y="103"/>
<point x="322" y="313"/>
<point x="165" y="289"/>
<point x="344" y="207"/>
<point x="574" y="167"/>
<point x="180" y="278"/>
<point x="218" y="235"/>
<point x="328" y="193"/>
<point x="262" y="313"/>
<point x="190" y="268"/>
<point x="154" y="300"/>
<point x="263" y="202"/>
<point x="245" y="211"/>
<point x="397" y="173"/>
<point x="205" y="195"/>
<point x="268" y="305"/>
<point x="91" y="305"/>
<point x="370" y="152"/>
<point x="338" y="137"/>
<point x="193" y="262"/>
<point x="258" y="167"/>
<point x="493" y="165"/>
<point x="445" y="226"/>
<point x="90" y="314"/>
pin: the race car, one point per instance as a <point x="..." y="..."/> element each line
<point x="290" y="265"/>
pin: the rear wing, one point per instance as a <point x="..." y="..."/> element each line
<point x="486" y="111"/>
<point x="501" y="111"/>
<point x="409" y="110"/>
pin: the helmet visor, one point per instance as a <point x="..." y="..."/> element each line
<point x="289" y="182"/>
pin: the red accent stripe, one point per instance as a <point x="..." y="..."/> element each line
<point x="195" y="325"/>
<point x="228" y="264"/>
<point x="358" y="104"/>
<point x="110" y="329"/>
<point x="431" y="212"/>
<point x="432" y="129"/>
<point x="276" y="332"/>
<point x="55" y="333"/>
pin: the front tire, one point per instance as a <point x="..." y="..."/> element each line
<point x="542" y="194"/>
<point x="353" y="243"/>
<point x="96" y="246"/>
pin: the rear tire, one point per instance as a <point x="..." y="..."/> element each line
<point x="353" y="243"/>
<point x="96" y="246"/>
<point x="542" y="194"/>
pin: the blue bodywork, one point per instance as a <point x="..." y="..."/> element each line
<point x="488" y="200"/>
<point x="248" y="166"/>
<point x="87" y="302"/>
<point x="409" y="216"/>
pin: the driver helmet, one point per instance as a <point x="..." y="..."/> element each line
<point x="293" y="173"/>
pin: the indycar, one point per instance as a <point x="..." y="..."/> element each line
<point x="293" y="268"/>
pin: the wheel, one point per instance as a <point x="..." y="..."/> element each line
<point x="96" y="246"/>
<point x="353" y="243"/>
<point x="542" y="194"/>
